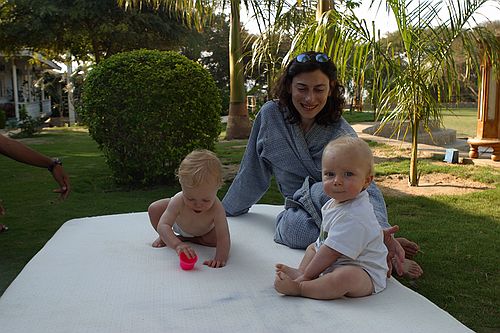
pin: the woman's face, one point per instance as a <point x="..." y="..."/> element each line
<point x="310" y="91"/>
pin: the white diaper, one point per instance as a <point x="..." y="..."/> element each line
<point x="180" y="232"/>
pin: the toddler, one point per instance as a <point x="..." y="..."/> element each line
<point x="195" y="214"/>
<point x="349" y="256"/>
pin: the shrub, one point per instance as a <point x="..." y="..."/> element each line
<point x="27" y="125"/>
<point x="147" y="110"/>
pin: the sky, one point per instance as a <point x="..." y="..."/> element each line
<point x="385" y="22"/>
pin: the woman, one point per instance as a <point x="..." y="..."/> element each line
<point x="287" y="141"/>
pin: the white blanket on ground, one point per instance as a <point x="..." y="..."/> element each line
<point x="100" y="274"/>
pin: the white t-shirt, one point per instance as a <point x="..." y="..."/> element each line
<point x="351" y="228"/>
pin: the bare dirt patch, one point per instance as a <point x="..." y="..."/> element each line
<point x="397" y="185"/>
<point x="429" y="184"/>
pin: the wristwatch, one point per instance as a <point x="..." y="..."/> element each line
<point x="55" y="161"/>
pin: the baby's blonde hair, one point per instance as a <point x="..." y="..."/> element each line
<point x="199" y="167"/>
<point x="353" y="145"/>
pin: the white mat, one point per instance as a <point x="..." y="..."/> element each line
<point x="100" y="274"/>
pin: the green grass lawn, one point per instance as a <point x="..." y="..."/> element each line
<point x="458" y="234"/>
<point x="463" y="120"/>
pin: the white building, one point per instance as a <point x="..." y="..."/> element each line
<point x="20" y="73"/>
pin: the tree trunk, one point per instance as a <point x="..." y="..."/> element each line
<point x="413" y="181"/>
<point x="322" y="7"/>
<point x="238" y="123"/>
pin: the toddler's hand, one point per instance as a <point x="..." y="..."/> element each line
<point x="214" y="263"/>
<point x="186" y="249"/>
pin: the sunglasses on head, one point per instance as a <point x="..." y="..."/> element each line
<point x="318" y="57"/>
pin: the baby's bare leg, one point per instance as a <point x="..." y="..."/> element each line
<point x="294" y="273"/>
<point x="208" y="239"/>
<point x="350" y="281"/>
<point x="155" y="211"/>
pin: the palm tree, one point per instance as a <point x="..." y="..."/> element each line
<point x="277" y="22"/>
<point x="423" y="74"/>
<point x="238" y="123"/>
<point x="196" y="13"/>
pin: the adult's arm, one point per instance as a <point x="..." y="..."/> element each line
<point x="378" y="203"/>
<point x="22" y="153"/>
<point x="253" y="177"/>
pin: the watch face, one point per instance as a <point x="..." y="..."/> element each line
<point x="55" y="162"/>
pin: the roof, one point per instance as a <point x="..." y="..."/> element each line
<point x="37" y="56"/>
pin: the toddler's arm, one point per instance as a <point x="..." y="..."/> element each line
<point x="223" y="239"/>
<point x="323" y="258"/>
<point x="165" y="224"/>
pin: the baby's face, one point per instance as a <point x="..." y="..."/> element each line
<point x="201" y="198"/>
<point x="345" y="175"/>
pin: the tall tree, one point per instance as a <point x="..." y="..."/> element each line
<point x="277" y="22"/>
<point x="197" y="12"/>
<point x="423" y="74"/>
<point x="98" y="28"/>
<point x="238" y="123"/>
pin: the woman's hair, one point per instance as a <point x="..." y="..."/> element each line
<point x="333" y="108"/>
<point x="199" y="167"/>
<point x="356" y="147"/>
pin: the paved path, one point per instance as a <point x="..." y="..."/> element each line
<point x="460" y="144"/>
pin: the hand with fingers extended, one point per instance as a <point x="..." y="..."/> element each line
<point x="396" y="253"/>
<point x="215" y="263"/>
<point x="186" y="249"/>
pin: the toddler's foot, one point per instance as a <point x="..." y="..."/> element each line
<point x="293" y="273"/>
<point x="158" y="243"/>
<point x="285" y="285"/>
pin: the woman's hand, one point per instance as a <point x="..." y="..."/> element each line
<point x="395" y="249"/>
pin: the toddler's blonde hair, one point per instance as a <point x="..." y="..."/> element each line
<point x="199" y="167"/>
<point x="355" y="146"/>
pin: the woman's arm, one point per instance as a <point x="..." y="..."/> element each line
<point x="378" y="203"/>
<point x="253" y="177"/>
<point x="223" y="240"/>
<point x="165" y="224"/>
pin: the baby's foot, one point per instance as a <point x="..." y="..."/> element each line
<point x="293" y="273"/>
<point x="158" y="243"/>
<point x="285" y="285"/>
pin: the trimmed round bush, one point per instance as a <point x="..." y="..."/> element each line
<point x="147" y="110"/>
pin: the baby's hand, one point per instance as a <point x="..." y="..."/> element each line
<point x="186" y="249"/>
<point x="214" y="263"/>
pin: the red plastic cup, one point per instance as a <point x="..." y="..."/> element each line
<point x="187" y="263"/>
